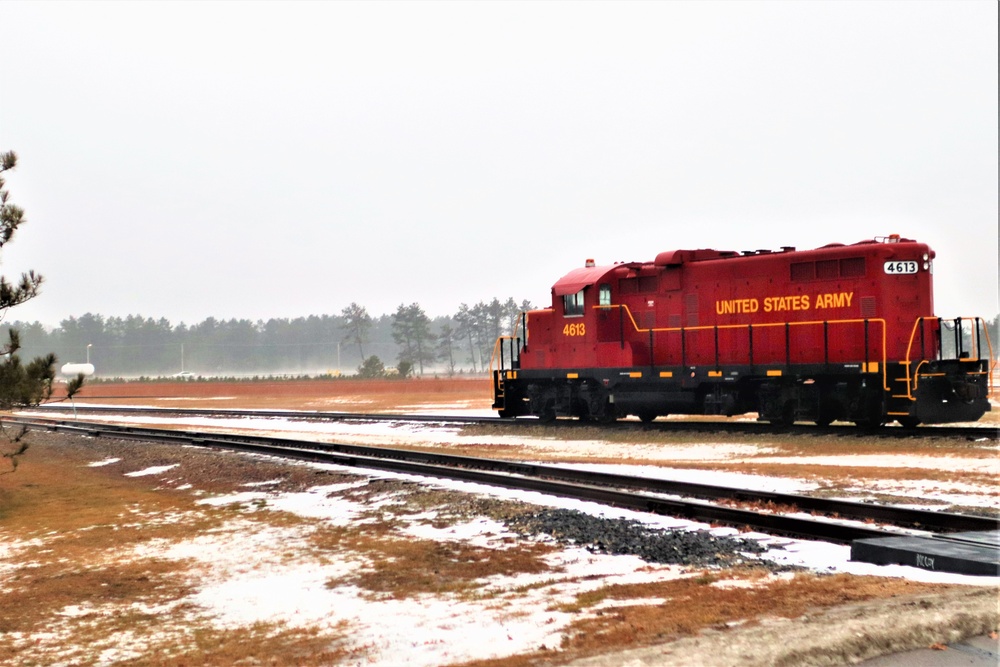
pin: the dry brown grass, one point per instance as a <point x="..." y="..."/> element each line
<point x="85" y="524"/>
<point x="79" y="584"/>
<point x="404" y="568"/>
<point x="400" y="566"/>
<point x="694" y="604"/>
<point x="80" y="578"/>
<point x="346" y="395"/>
<point x="87" y="521"/>
<point x="259" y="644"/>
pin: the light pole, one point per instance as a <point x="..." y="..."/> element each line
<point x="89" y="345"/>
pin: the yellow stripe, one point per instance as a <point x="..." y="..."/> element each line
<point x="773" y="374"/>
<point x="872" y="367"/>
<point x="715" y="374"/>
<point x="511" y="375"/>
<point x="666" y="374"/>
<point x="635" y="375"/>
<point x="572" y="376"/>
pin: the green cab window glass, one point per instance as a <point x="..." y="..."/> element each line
<point x="573" y="304"/>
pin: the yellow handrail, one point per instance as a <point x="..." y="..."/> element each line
<point x="517" y="327"/>
<point x="706" y="327"/>
<point x="915" y="380"/>
<point x="496" y="350"/>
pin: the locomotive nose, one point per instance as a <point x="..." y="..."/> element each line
<point x="967" y="391"/>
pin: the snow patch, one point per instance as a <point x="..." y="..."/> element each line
<point x="105" y="462"/>
<point x="154" y="470"/>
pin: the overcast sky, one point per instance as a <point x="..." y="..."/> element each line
<point x="186" y="160"/>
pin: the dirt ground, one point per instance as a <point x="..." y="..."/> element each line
<point x="330" y="394"/>
<point x="339" y="394"/>
<point x="839" y="635"/>
<point x="810" y="625"/>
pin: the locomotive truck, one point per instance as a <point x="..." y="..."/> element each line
<point x="841" y="332"/>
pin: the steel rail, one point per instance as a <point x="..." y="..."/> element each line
<point x="234" y="412"/>
<point x="750" y="428"/>
<point x="570" y="482"/>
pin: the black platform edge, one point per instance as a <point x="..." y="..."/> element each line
<point x="976" y="553"/>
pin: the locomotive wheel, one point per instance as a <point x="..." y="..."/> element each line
<point x="830" y="410"/>
<point x="605" y="415"/>
<point x="549" y="413"/>
<point x="787" y="417"/>
<point x="908" y="422"/>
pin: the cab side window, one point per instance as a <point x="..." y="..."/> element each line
<point x="573" y="304"/>
<point x="604" y="295"/>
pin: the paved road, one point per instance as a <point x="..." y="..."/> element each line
<point x="974" y="652"/>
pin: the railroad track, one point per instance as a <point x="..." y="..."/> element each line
<point x="644" y="494"/>
<point x="736" y="427"/>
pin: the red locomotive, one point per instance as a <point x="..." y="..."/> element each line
<point x="842" y="332"/>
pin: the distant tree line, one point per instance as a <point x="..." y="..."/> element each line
<point x="351" y="341"/>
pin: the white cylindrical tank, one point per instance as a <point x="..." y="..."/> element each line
<point x="72" y="370"/>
